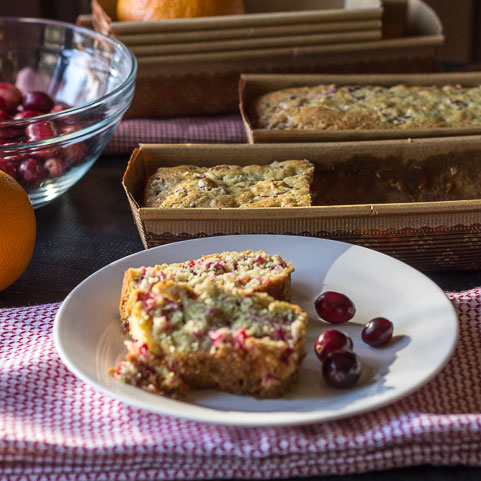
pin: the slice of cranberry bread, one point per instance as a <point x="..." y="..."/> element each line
<point x="219" y="338"/>
<point x="248" y="270"/>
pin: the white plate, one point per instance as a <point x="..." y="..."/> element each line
<point x="88" y="336"/>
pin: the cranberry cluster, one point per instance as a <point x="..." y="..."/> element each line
<point x="33" y="167"/>
<point x="341" y="366"/>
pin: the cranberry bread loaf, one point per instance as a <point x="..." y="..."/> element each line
<point x="333" y="107"/>
<point x="248" y="270"/>
<point x="216" y="338"/>
<point x="279" y="184"/>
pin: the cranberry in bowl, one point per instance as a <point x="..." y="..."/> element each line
<point x="63" y="91"/>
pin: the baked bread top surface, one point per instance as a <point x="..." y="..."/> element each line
<point x="363" y="107"/>
<point x="278" y="184"/>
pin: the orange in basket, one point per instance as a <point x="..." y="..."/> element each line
<point x="141" y="10"/>
<point x="17" y="230"/>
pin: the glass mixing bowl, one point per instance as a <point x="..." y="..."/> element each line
<point x="91" y="78"/>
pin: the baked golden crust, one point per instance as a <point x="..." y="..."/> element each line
<point x="128" y="285"/>
<point x="245" y="344"/>
<point x="363" y="107"/>
<point x="279" y="184"/>
<point x="247" y="270"/>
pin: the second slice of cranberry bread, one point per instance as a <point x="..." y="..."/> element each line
<point x="252" y="271"/>
<point x="217" y="338"/>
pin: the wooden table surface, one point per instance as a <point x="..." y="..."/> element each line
<point x="91" y="226"/>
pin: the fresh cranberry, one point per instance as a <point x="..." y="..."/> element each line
<point x="75" y="154"/>
<point x="55" y="167"/>
<point x="15" y="159"/>
<point x="40" y="131"/>
<point x="377" y="332"/>
<point x="58" y="107"/>
<point x="341" y="369"/>
<point x="12" y="134"/>
<point x="39" y="101"/>
<point x="45" y="154"/>
<point x="26" y="114"/>
<point x="8" y="167"/>
<point x="4" y="116"/>
<point x="31" y="173"/>
<point x="334" y="307"/>
<point x="65" y="128"/>
<point x="330" y="341"/>
<point x="11" y="96"/>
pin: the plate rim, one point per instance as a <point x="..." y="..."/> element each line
<point x="210" y="415"/>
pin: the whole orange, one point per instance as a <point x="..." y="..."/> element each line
<point x="141" y="10"/>
<point x="17" y="230"/>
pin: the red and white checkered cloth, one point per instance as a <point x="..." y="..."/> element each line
<point x="54" y="427"/>
<point x="214" y="129"/>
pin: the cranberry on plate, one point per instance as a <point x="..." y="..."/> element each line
<point x="330" y="341"/>
<point x="377" y="332"/>
<point x="334" y="307"/>
<point x="341" y="369"/>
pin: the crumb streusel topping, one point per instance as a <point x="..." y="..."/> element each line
<point x="279" y="184"/>
<point x="334" y="107"/>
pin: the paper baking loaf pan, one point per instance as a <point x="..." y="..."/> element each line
<point x="191" y="38"/>
<point x="419" y="200"/>
<point x="252" y="86"/>
<point x="178" y="80"/>
<point x="254" y="44"/>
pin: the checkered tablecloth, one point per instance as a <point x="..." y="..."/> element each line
<point x="55" y="427"/>
<point x="214" y="129"/>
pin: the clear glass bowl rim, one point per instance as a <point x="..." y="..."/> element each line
<point x="72" y="111"/>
